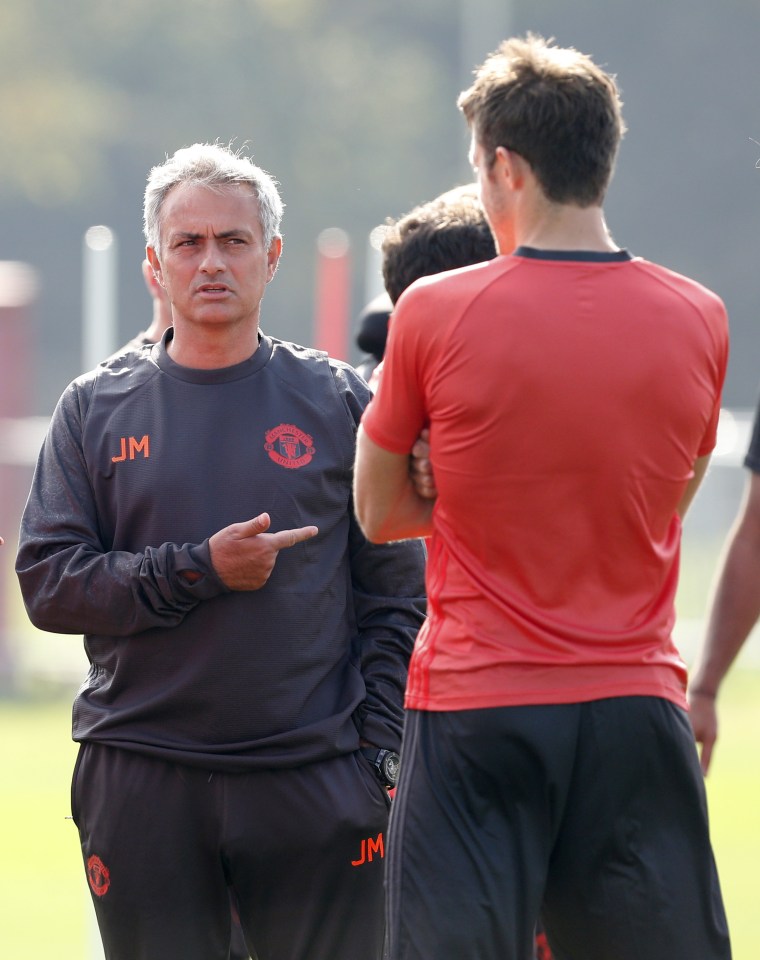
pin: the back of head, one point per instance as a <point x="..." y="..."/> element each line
<point x="555" y="108"/>
<point x="448" y="232"/>
<point x="210" y="165"/>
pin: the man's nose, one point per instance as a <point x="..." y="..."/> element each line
<point x="213" y="259"/>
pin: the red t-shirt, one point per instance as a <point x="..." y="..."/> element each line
<point x="568" y="396"/>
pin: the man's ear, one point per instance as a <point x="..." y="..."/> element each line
<point x="152" y="257"/>
<point x="273" y="256"/>
<point x="511" y="167"/>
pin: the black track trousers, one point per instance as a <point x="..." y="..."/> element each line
<point x="302" y="850"/>
<point x="591" y="815"/>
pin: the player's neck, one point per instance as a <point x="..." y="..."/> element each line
<point x="563" y="226"/>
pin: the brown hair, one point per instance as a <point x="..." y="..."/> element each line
<point x="554" y="107"/>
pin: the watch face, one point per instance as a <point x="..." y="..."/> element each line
<point x="391" y="762"/>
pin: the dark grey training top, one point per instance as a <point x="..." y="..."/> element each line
<point x="144" y="461"/>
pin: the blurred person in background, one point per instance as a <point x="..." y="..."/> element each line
<point x="572" y="393"/>
<point x="161" y="317"/>
<point x="191" y="514"/>
<point x="734" y="607"/>
<point x="447" y="232"/>
<point x="372" y="332"/>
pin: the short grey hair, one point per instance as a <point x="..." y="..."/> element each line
<point x="210" y="165"/>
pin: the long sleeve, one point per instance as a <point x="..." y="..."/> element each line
<point x="71" y="581"/>
<point x="389" y="600"/>
<point x="388" y="582"/>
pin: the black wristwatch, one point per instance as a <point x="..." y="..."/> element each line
<point x="386" y="764"/>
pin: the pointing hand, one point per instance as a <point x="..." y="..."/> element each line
<point x="244" y="554"/>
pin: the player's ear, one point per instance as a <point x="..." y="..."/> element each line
<point x="273" y="256"/>
<point x="510" y="166"/>
<point x="152" y="257"/>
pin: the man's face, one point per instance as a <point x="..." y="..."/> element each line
<point x="213" y="262"/>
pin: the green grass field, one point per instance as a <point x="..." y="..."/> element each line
<point x="42" y="892"/>
<point x="42" y="887"/>
<point x="732" y="787"/>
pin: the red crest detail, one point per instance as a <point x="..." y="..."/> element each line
<point x="99" y="876"/>
<point x="288" y="446"/>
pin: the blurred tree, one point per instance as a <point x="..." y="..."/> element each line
<point x="56" y="117"/>
<point x="352" y="107"/>
<point x="355" y="118"/>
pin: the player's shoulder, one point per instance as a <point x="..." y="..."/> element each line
<point x="300" y="361"/>
<point x="120" y="372"/>
<point x="107" y="384"/>
<point x="462" y="281"/>
<point x="451" y="291"/>
<point x="137" y="344"/>
<point x="679" y="283"/>
<point x="287" y="351"/>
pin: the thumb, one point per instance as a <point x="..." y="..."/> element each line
<point x="252" y="528"/>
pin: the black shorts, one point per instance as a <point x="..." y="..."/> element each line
<point x="592" y="815"/>
<point x="302" y="851"/>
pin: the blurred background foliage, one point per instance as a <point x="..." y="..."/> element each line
<point x="352" y="107"/>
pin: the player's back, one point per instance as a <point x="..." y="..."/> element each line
<point x="569" y="400"/>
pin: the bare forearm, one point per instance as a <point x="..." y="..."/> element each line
<point x="406" y="517"/>
<point x="387" y="505"/>
<point x="734" y="611"/>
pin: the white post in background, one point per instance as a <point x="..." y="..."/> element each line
<point x="373" y="275"/>
<point x="99" y="329"/>
<point x="99" y="286"/>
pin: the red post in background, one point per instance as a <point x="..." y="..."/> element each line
<point x="18" y="292"/>
<point x="331" y="325"/>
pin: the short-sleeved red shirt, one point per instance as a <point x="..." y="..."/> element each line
<point x="568" y="396"/>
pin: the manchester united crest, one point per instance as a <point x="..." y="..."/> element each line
<point x="288" y="446"/>
<point x="99" y="876"/>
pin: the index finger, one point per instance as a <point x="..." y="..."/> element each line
<point x="289" y="538"/>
